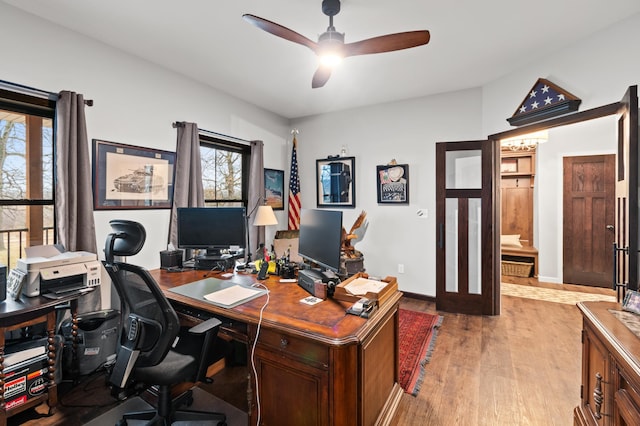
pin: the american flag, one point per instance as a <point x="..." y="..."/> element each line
<point x="544" y="100"/>
<point x="541" y="96"/>
<point x="294" y="190"/>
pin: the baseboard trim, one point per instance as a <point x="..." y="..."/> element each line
<point x="419" y="296"/>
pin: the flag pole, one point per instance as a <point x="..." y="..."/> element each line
<point x="294" y="186"/>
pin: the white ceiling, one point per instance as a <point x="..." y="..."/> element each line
<point x="472" y="43"/>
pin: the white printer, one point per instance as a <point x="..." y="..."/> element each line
<point x="63" y="272"/>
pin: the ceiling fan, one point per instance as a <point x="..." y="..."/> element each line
<point x="331" y="47"/>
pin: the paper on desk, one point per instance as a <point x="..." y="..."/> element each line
<point x="230" y="295"/>
<point x="362" y="286"/>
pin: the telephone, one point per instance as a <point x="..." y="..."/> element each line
<point x="363" y="308"/>
<point x="264" y="267"/>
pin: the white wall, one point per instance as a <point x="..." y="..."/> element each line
<point x="407" y="132"/>
<point x="135" y="103"/>
<point x="597" y="70"/>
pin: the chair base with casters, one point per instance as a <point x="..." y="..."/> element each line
<point x="167" y="373"/>
<point x="154" y="350"/>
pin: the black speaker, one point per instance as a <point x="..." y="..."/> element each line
<point x="3" y="283"/>
<point x="171" y="259"/>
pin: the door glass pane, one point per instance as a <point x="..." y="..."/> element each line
<point x="464" y="169"/>
<point x="451" y="244"/>
<point x="475" y="246"/>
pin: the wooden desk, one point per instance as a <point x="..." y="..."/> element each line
<point x="29" y="311"/>
<point x="315" y="365"/>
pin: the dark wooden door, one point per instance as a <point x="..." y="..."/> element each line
<point x="589" y="213"/>
<point x="467" y="210"/>
<point x="626" y="226"/>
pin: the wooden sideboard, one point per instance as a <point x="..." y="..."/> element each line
<point x="610" y="390"/>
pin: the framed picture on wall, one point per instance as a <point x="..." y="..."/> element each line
<point x="335" y="182"/>
<point x="393" y="184"/>
<point x="131" y="177"/>
<point x="274" y="188"/>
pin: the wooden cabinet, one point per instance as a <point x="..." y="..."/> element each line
<point x="518" y="175"/>
<point x="610" y="390"/>
<point x="517" y="170"/>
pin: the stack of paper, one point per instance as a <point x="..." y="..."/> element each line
<point x="362" y="286"/>
<point x="231" y="295"/>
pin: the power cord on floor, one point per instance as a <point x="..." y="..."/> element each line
<point x="253" y="350"/>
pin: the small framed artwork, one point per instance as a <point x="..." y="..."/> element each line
<point x="335" y="182"/>
<point x="131" y="177"/>
<point x="631" y="302"/>
<point x="393" y="184"/>
<point x="274" y="188"/>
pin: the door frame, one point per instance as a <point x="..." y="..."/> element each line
<point x="626" y="106"/>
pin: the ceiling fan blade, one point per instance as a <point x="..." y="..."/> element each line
<point x="320" y="77"/>
<point x="387" y="43"/>
<point x="280" y="31"/>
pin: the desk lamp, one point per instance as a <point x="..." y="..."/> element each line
<point x="264" y="217"/>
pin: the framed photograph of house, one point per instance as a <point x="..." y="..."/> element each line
<point x="131" y="177"/>
<point x="274" y="188"/>
<point x="393" y="184"/>
<point x="336" y="182"/>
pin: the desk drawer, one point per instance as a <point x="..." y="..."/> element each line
<point x="295" y="347"/>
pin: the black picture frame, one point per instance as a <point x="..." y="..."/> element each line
<point x="336" y="182"/>
<point x="127" y="177"/>
<point x="274" y="188"/>
<point x="631" y="302"/>
<point x="392" y="183"/>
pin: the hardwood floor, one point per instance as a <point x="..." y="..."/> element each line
<point x="519" y="368"/>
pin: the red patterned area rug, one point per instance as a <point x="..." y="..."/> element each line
<point x="417" y="336"/>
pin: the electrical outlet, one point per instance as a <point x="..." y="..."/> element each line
<point x="400" y="268"/>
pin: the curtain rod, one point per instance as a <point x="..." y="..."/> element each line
<point x="220" y="135"/>
<point x="32" y="91"/>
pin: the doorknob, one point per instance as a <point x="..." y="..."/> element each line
<point x="610" y="227"/>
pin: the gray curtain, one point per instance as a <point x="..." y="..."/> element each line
<point x="187" y="189"/>
<point x="74" y="198"/>
<point x="256" y="193"/>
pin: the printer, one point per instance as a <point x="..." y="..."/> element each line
<point x="62" y="273"/>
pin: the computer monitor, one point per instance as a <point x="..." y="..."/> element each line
<point x="320" y="239"/>
<point x="212" y="228"/>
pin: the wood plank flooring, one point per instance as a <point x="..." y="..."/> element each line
<point x="519" y="368"/>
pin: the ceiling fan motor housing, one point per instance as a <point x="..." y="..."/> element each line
<point x="330" y="7"/>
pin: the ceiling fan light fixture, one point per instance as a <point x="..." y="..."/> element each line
<point x="330" y="48"/>
<point x="330" y="59"/>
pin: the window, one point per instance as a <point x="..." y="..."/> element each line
<point x="27" y="169"/>
<point x="225" y="170"/>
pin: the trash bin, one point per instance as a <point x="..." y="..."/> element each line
<point x="97" y="339"/>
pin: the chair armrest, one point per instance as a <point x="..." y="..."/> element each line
<point x="206" y="326"/>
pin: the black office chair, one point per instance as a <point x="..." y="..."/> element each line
<point x="152" y="349"/>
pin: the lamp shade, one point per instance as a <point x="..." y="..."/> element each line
<point x="265" y="216"/>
